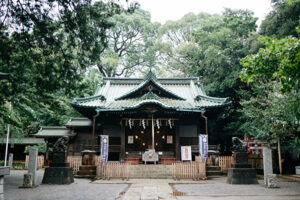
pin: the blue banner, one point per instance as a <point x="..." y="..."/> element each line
<point x="104" y="148"/>
<point x="203" y="147"/>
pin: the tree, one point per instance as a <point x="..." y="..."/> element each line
<point x="282" y="20"/>
<point x="280" y="59"/>
<point x="130" y="44"/>
<point x="46" y="46"/>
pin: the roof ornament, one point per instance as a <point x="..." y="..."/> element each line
<point x="150" y="95"/>
<point x="150" y="75"/>
<point x="143" y="123"/>
<point x="157" y="124"/>
<point x="170" y="123"/>
<point x="129" y="123"/>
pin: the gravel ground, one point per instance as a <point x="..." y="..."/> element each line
<point x="80" y="189"/>
<point x="219" y="187"/>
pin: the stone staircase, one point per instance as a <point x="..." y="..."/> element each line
<point x="86" y="171"/>
<point x="150" y="171"/>
<point x="213" y="171"/>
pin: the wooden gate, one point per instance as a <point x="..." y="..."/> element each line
<point x="112" y="170"/>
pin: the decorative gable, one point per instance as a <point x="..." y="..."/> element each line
<point x="150" y="83"/>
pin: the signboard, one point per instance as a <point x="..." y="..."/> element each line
<point x="203" y="147"/>
<point x="169" y="139"/>
<point x="130" y="139"/>
<point x="104" y="148"/>
<point x="186" y="153"/>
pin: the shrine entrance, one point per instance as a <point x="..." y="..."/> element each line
<point x="139" y="136"/>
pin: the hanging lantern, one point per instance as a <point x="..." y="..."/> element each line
<point x="157" y="124"/>
<point x="170" y="123"/>
<point x="129" y="123"/>
<point x="143" y="123"/>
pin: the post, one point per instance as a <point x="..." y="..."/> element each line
<point x="7" y="137"/>
<point x="177" y="145"/>
<point x="267" y="158"/>
<point x="93" y="134"/>
<point x="10" y="160"/>
<point x="47" y="153"/>
<point x="279" y="156"/>
<point x="206" y="128"/>
<point x="122" y="155"/>
<point x="153" y="150"/>
<point x="32" y="164"/>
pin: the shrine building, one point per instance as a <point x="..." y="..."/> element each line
<point x="138" y="114"/>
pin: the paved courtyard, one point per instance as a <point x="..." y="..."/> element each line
<point x="148" y="189"/>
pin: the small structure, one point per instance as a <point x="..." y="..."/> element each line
<point x="29" y="180"/>
<point x="59" y="171"/>
<point x="241" y="172"/>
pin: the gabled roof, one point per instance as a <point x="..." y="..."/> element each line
<point x="25" y="141"/>
<point x="79" y="122"/>
<point x="149" y="80"/>
<point x="181" y="94"/>
<point x="54" y="131"/>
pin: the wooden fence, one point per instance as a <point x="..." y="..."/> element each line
<point x="225" y="162"/>
<point x="189" y="170"/>
<point x="112" y="170"/>
<point x="76" y="161"/>
<point x="40" y="162"/>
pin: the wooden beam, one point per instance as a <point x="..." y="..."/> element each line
<point x="122" y="154"/>
<point x="279" y="157"/>
<point x="94" y="128"/>
<point x="177" y="144"/>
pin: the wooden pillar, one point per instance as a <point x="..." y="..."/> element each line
<point x="122" y="154"/>
<point x="47" y="153"/>
<point x="177" y="144"/>
<point x="279" y="156"/>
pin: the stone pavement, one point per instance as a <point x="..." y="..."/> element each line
<point x="81" y="189"/>
<point x="155" y="189"/>
<point x="149" y="189"/>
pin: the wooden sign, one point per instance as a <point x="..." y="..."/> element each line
<point x="169" y="139"/>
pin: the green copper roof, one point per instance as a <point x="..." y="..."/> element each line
<point x="54" y="131"/>
<point x="150" y="95"/>
<point x="150" y="80"/>
<point x="181" y="94"/>
<point x="23" y="141"/>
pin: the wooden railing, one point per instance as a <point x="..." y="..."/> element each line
<point x="168" y="161"/>
<point x="75" y="162"/>
<point x="112" y="170"/>
<point x="189" y="170"/>
<point x="40" y="162"/>
<point x="132" y="161"/>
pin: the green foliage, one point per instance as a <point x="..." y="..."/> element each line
<point x="41" y="148"/>
<point x="266" y="112"/>
<point x="130" y="44"/>
<point x="280" y="59"/>
<point x="282" y="20"/>
<point x="47" y="47"/>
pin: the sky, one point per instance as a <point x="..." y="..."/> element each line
<point x="164" y="10"/>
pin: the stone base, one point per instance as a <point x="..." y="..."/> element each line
<point x="241" y="176"/>
<point x="58" y="175"/>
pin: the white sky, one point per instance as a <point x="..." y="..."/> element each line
<point x="164" y="10"/>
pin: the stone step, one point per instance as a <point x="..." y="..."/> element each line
<point x="213" y="168"/>
<point x="87" y="167"/>
<point x="87" y="172"/>
<point x="214" y="173"/>
<point x="85" y="176"/>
